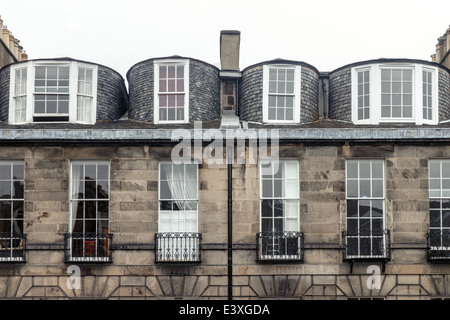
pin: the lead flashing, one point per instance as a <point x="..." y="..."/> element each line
<point x="289" y="134"/>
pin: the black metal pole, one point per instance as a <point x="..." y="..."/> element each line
<point x="230" y="224"/>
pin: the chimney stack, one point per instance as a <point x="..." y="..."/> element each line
<point x="442" y="55"/>
<point x="5" y="36"/>
<point x="24" y="56"/>
<point x="15" y="49"/>
<point x="229" y="76"/>
<point x="229" y="49"/>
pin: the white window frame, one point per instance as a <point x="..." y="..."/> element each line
<point x="71" y="213"/>
<point x="292" y="198"/>
<point x="295" y="198"/>
<point x="10" y="249"/>
<point x="167" y="62"/>
<point x="297" y="92"/>
<point x="371" y="198"/>
<point x="73" y="90"/>
<point x="162" y="230"/>
<point x="438" y="194"/>
<point x="375" y="93"/>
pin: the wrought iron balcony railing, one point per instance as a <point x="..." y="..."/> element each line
<point x="438" y="245"/>
<point x="280" y="246"/>
<point x="365" y="244"/>
<point x="12" y="247"/>
<point x="175" y="247"/>
<point x="88" y="247"/>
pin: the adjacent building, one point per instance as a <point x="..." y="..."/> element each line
<point x="276" y="181"/>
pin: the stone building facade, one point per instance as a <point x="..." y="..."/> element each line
<point x="100" y="210"/>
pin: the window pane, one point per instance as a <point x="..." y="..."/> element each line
<point x="5" y="171"/>
<point x="266" y="208"/>
<point x="352" y="169"/>
<point x="386" y="88"/>
<point x="377" y="169"/>
<point x="364" y="227"/>
<point x="291" y="208"/>
<point x="435" y="184"/>
<point x="352" y="208"/>
<point x="278" y="210"/>
<point x="446" y="169"/>
<point x="352" y="227"/>
<point x="364" y="169"/>
<point x="277" y="188"/>
<point x="407" y="112"/>
<point x="435" y="218"/>
<point x="364" y="208"/>
<point x="289" y="114"/>
<point x="385" y="75"/>
<point x="272" y="87"/>
<point x="102" y="171"/>
<point x="396" y="75"/>
<point x="385" y="112"/>
<point x="18" y="189"/>
<point x="377" y="208"/>
<point x="407" y="87"/>
<point x="377" y="188"/>
<point x="90" y="172"/>
<point x="63" y="72"/>
<point x="360" y="113"/>
<point x="267" y="188"/>
<point x="445" y="218"/>
<point x="377" y="227"/>
<point x="407" y="75"/>
<point x="291" y="189"/>
<point x="445" y="183"/>
<point x="5" y="190"/>
<point x="102" y="190"/>
<point x="352" y="188"/>
<point x="396" y="112"/>
<point x="18" y="171"/>
<point x="435" y="169"/>
<point x="364" y="188"/>
<point x="266" y="225"/>
<point x="40" y="72"/>
<point x="170" y="72"/>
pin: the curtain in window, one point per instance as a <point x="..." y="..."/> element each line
<point x="20" y="94"/>
<point x="84" y="109"/>
<point x="84" y="101"/>
<point x="181" y="198"/>
<point x="175" y="178"/>
<point x="76" y="181"/>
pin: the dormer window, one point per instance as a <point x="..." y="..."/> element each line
<point x="53" y="91"/>
<point x="281" y="94"/>
<point x="394" y="92"/>
<point x="171" y="91"/>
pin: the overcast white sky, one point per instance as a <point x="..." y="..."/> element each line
<point x="327" y="34"/>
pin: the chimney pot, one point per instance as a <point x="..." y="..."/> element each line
<point x="5" y="35"/>
<point x="11" y="42"/>
<point x="24" y="56"/>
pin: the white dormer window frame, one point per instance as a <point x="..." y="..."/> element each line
<point x="179" y="92"/>
<point x="24" y="91"/>
<point x="291" y="96"/>
<point x="369" y="85"/>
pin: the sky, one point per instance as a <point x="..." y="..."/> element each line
<point x="327" y="34"/>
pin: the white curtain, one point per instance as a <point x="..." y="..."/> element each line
<point x="84" y="109"/>
<point x="76" y="180"/>
<point x="182" y="180"/>
<point x="84" y="95"/>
